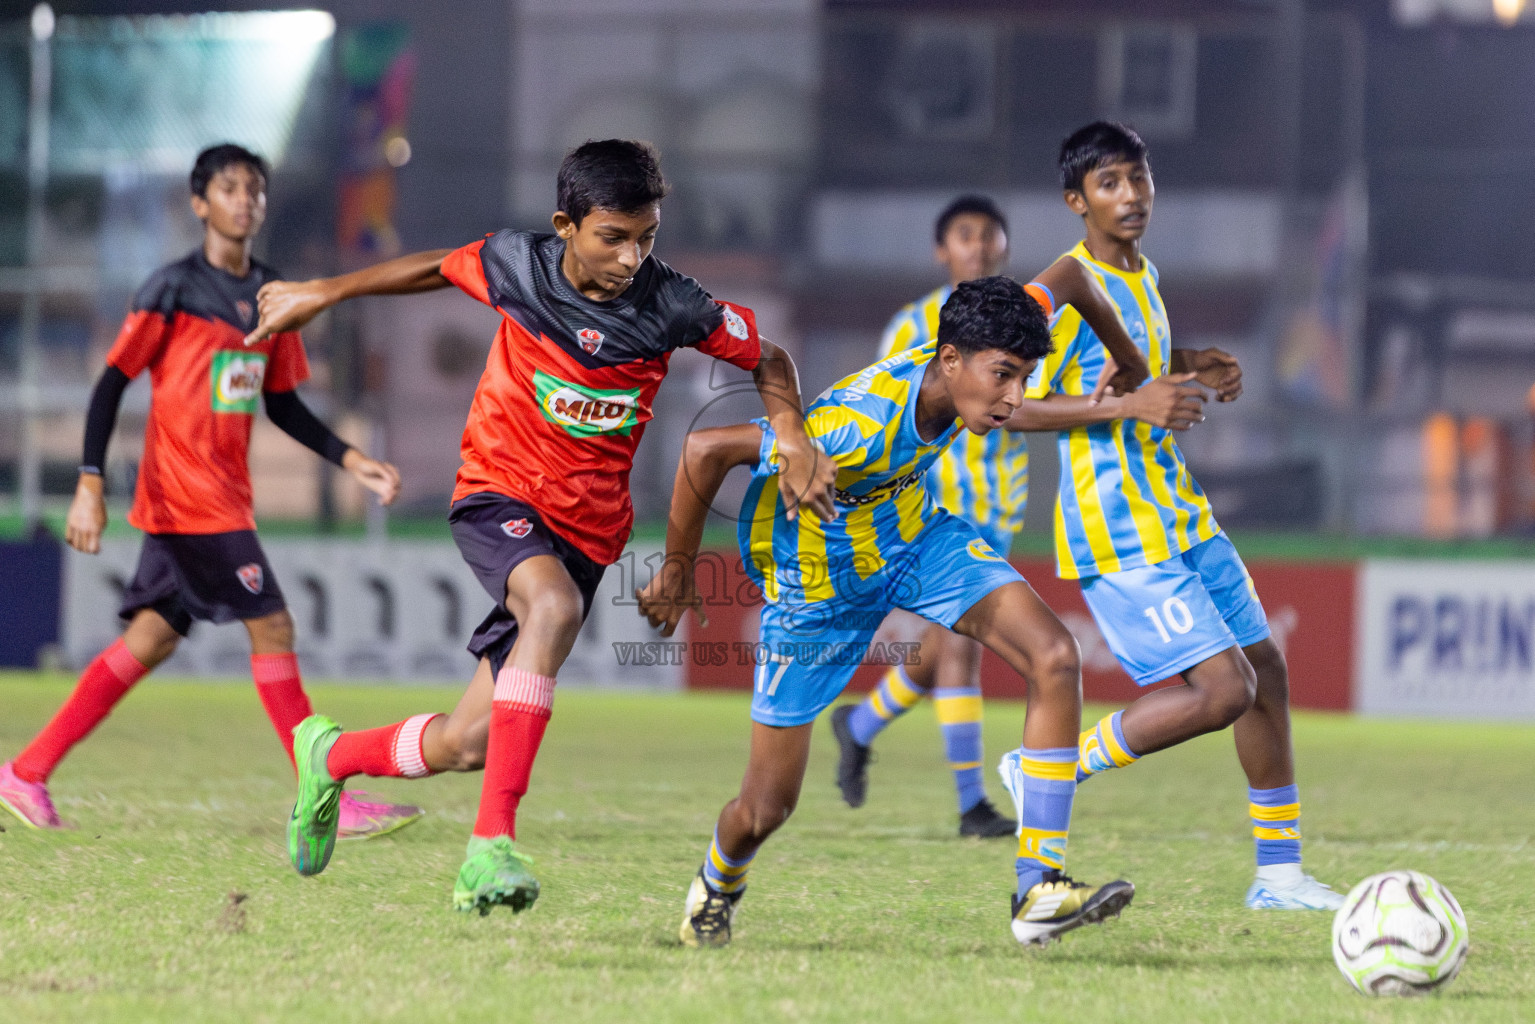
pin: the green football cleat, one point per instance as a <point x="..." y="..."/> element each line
<point x="495" y="873"/>
<point x="317" y="812"/>
<point x="1056" y="905"/>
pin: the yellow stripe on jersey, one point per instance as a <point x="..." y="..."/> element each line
<point x="1143" y="513"/>
<point x="860" y="529"/>
<point x="913" y="508"/>
<point x="760" y="524"/>
<point x="830" y="417"/>
<point x="982" y="479"/>
<point x="1126" y="498"/>
<point x="974" y="457"/>
<point x="867" y="424"/>
<point x="814" y="569"/>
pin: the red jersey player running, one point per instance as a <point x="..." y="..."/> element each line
<point x="201" y="559"/>
<point x="542" y="502"/>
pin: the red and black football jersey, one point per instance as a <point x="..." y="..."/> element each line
<point x="187" y="326"/>
<point x="567" y="389"/>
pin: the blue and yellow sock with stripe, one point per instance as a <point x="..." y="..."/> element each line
<point x="723" y="874"/>
<point x="1276" y="824"/>
<point x="1049" y="785"/>
<point x="959" y="717"/>
<point x="893" y="697"/>
<point x="1103" y="747"/>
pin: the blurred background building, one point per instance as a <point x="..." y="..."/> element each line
<point x="1341" y="203"/>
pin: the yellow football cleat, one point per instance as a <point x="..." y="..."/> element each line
<point x="1056" y="905"/>
<point x="707" y="915"/>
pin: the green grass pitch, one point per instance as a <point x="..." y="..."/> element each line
<point x="174" y="899"/>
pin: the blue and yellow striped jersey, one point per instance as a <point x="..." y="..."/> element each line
<point x="867" y="424"/>
<point x="982" y="479"/>
<point x="1126" y="498"/>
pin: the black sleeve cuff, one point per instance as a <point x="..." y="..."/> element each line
<point x="294" y="418"/>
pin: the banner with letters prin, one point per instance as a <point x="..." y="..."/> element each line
<point x="1446" y="638"/>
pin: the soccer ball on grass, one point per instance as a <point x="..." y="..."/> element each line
<point x="1399" y="933"/>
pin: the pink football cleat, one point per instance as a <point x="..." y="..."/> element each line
<point x="365" y="819"/>
<point x="29" y="801"/>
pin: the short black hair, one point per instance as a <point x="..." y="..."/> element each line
<point x="611" y="174"/>
<point x="215" y="158"/>
<point x="994" y="312"/>
<point x="1097" y="145"/>
<point x="971" y="202"/>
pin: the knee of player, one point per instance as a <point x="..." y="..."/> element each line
<point x="1058" y="660"/>
<point x="1235" y="694"/>
<point x="275" y="630"/>
<point x="765" y="815"/>
<point x="162" y="648"/>
<point x="1269" y="666"/>
<point x="555" y="612"/>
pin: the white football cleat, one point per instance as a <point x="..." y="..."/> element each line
<point x="1286" y="887"/>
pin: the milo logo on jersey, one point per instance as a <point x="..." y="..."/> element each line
<point x="586" y="412"/>
<point x="236" y="381"/>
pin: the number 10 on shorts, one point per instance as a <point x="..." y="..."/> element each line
<point x="1175" y="615"/>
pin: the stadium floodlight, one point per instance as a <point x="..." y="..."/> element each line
<point x="42" y="22"/>
<point x="149" y="91"/>
<point x="1507" y="11"/>
<point x="1423" y="12"/>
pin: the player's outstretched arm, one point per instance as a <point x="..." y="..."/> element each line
<point x="289" y="305"/>
<point x="1173" y="402"/>
<point x="289" y="413"/>
<point x="1212" y="368"/>
<point x="1073" y="285"/>
<point x="809" y="478"/>
<point x="707" y="456"/>
<point x="87" y="516"/>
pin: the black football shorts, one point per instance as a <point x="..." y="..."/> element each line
<point x="214" y="577"/>
<point x="495" y="534"/>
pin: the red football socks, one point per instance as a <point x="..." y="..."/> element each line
<point x="519" y="714"/>
<point x="103" y="683"/>
<point x="282" y="694"/>
<point x="393" y="751"/>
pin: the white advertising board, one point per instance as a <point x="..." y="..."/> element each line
<point x="1447" y="638"/>
<point x="398" y="611"/>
